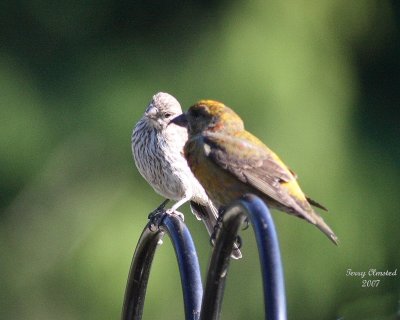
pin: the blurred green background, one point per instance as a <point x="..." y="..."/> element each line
<point x="319" y="82"/>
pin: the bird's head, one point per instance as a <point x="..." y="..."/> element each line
<point x="162" y="109"/>
<point x="209" y="115"/>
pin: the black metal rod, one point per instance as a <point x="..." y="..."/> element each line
<point x="219" y="264"/>
<point x="269" y="253"/>
<point x="136" y="286"/>
<point x="141" y="263"/>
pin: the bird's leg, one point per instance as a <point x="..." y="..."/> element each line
<point x="238" y="242"/>
<point x="173" y="209"/>
<point x="177" y="213"/>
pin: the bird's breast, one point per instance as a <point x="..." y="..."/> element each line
<point x="221" y="186"/>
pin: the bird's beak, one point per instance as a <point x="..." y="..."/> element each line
<point x="180" y="120"/>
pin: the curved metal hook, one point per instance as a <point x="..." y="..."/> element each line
<point x="141" y="263"/>
<point x="269" y="254"/>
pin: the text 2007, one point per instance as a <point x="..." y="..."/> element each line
<point x="370" y="283"/>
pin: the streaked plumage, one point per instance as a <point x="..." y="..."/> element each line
<point x="157" y="149"/>
<point x="229" y="162"/>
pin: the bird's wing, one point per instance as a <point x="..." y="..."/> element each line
<point x="249" y="160"/>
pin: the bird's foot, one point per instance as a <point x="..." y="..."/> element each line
<point x="238" y="243"/>
<point x="246" y="224"/>
<point x="221" y="211"/>
<point x="160" y="209"/>
<point x="156" y="216"/>
<point x="176" y="213"/>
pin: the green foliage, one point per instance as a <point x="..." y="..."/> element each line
<point x="318" y="82"/>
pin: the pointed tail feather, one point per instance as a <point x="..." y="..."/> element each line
<point x="321" y="225"/>
<point x="209" y="215"/>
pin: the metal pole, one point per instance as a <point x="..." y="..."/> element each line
<point x="136" y="286"/>
<point x="141" y="263"/>
<point x="269" y="253"/>
<point x="188" y="262"/>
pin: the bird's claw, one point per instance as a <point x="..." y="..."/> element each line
<point x="155" y="220"/>
<point x="236" y="245"/>
<point x="213" y="237"/>
<point x="246" y="224"/>
<point x="238" y="242"/>
<point x="221" y="211"/>
<point x="158" y="210"/>
<point x="155" y="216"/>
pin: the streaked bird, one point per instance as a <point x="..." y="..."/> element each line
<point x="229" y="162"/>
<point x="157" y="149"/>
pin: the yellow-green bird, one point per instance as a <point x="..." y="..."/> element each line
<point x="230" y="162"/>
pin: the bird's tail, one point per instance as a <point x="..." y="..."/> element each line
<point x="209" y="215"/>
<point x="303" y="209"/>
<point x="321" y="225"/>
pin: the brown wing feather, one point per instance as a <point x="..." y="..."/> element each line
<point x="316" y="204"/>
<point x="251" y="163"/>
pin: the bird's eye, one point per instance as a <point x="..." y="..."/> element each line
<point x="167" y="115"/>
<point x="196" y="113"/>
